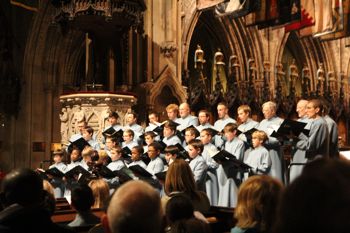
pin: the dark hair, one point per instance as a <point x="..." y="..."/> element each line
<point x="82" y="198"/>
<point x="178" y="207"/>
<point x="114" y="115"/>
<point x="197" y="144"/>
<point x="139" y="149"/>
<point x="150" y="133"/>
<point x="89" y="129"/>
<point x="174" y="150"/>
<point x="22" y="186"/>
<point x="155" y="145"/>
<point x="318" y="201"/>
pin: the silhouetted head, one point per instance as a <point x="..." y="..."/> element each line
<point x="22" y="186"/>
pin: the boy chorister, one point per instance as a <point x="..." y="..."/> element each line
<point x="259" y="158"/>
<point x="197" y="164"/>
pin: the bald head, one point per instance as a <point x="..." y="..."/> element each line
<point x="135" y="207"/>
<point x="184" y="110"/>
<point x="301" y="108"/>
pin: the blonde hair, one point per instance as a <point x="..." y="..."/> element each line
<point x="258" y="198"/>
<point x="261" y="135"/>
<point x="271" y="105"/>
<point x="172" y="107"/>
<point x="245" y="108"/>
<point x="100" y="191"/>
<point x="88" y="151"/>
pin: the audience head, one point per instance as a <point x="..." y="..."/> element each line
<point x="172" y="110"/>
<point x="82" y="198"/>
<point x="318" y="201"/>
<point x="134" y="207"/>
<point x="192" y="225"/>
<point x="22" y="186"/>
<point x="244" y="112"/>
<point x="269" y="109"/>
<point x="257" y="201"/>
<point x="100" y="191"/>
<point x="179" y="178"/>
<point x="178" y="207"/>
<point x="301" y="108"/>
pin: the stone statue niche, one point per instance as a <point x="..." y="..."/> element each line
<point x="93" y="108"/>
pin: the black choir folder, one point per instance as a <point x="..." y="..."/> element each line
<point x="77" y="171"/>
<point x="123" y="174"/>
<point x="111" y="132"/>
<point x="225" y="157"/>
<point x="140" y="171"/>
<point x="80" y="143"/>
<point x="290" y="128"/>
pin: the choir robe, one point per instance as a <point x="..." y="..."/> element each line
<point x="70" y="183"/>
<point x="172" y="140"/>
<point x="56" y="182"/>
<point x="219" y="126"/>
<point x="299" y="158"/>
<point x="114" y="166"/>
<point x="333" y="136"/>
<point x="199" y="169"/>
<point x="156" y="165"/>
<point x="211" y="183"/>
<point x="130" y="145"/>
<point x="228" y="189"/>
<point x="244" y="127"/>
<point x="138" y="162"/>
<point x="313" y="146"/>
<point x="138" y="131"/>
<point x="259" y="160"/>
<point x="186" y="122"/>
<point x="273" y="146"/>
<point x="205" y="126"/>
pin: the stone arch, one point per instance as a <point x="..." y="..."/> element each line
<point x="167" y="80"/>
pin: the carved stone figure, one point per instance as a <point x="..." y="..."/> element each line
<point x="64" y="125"/>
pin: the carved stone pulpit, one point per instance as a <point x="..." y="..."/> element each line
<point x="94" y="108"/>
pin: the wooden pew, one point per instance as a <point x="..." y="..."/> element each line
<point x="66" y="216"/>
<point x="220" y="218"/>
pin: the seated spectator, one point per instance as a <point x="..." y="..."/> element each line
<point x="179" y="179"/>
<point x="134" y="207"/>
<point x="100" y="191"/>
<point x="318" y="200"/>
<point x="192" y="225"/>
<point x="82" y="199"/>
<point x="23" y="196"/>
<point x="258" y="198"/>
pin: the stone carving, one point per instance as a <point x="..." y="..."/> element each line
<point x="64" y="125"/>
<point x="94" y="108"/>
